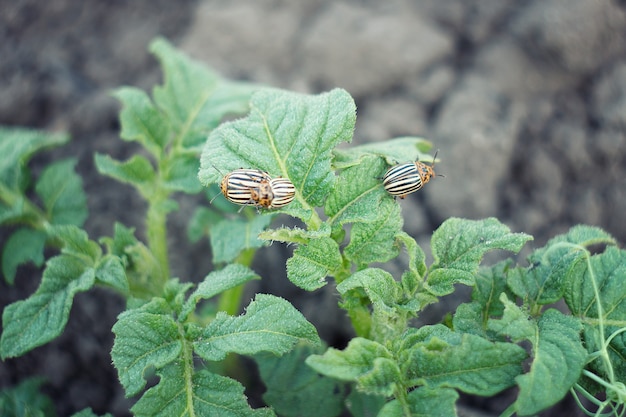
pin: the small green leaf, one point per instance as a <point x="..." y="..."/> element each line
<point x="437" y="356"/>
<point x="23" y="246"/>
<point x="76" y="242"/>
<point x="194" y="98"/>
<point x="42" y="317"/>
<point x="61" y="191"/>
<point x="379" y="285"/>
<point x="143" y="339"/>
<point x="514" y="323"/>
<point x="110" y="271"/>
<point x="459" y="245"/>
<point x="288" y="135"/>
<point x="270" y="324"/>
<point x="181" y="392"/>
<point x="88" y="412"/>
<point x="17" y="146"/>
<point x="217" y="282"/>
<point x="490" y="283"/>
<point x="137" y="171"/>
<point x="26" y="400"/>
<point x="296" y="390"/>
<point x="312" y="263"/>
<point x="357" y="195"/>
<point x="424" y="402"/>
<point x="201" y="222"/>
<point x="417" y="263"/>
<point x="180" y="173"/>
<point x="397" y="150"/>
<point x="231" y="236"/>
<point x="141" y="121"/>
<point x="375" y="241"/>
<point x="558" y="361"/>
<point x="352" y="363"/>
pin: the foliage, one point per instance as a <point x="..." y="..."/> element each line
<point x="349" y="227"/>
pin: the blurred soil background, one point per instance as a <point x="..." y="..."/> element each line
<point x="526" y="102"/>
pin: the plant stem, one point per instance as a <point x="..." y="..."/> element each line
<point x="156" y="233"/>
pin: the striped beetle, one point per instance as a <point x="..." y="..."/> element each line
<point x="274" y="194"/>
<point x="404" y="179"/>
<point x="239" y="185"/>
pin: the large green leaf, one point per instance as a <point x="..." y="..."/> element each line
<point x="288" y="135"/>
<point x="459" y="245"/>
<point x="270" y="324"/>
<point x="558" y="359"/>
<point x="143" y="339"/>
<point x="437" y="356"/>
<point x="181" y="392"/>
<point x="194" y="98"/>
<point x="42" y="317"/>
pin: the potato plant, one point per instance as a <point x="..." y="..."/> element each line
<point x="508" y="334"/>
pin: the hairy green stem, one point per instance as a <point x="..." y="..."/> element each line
<point x="156" y="233"/>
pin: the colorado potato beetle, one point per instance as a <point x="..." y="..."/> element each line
<point x="273" y="194"/>
<point x="239" y="185"/>
<point x="404" y="179"/>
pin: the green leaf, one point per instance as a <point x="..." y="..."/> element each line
<point x="312" y="263"/>
<point x="23" y="246"/>
<point x="110" y="271"/>
<point x="137" y="171"/>
<point x="608" y="269"/>
<point x="217" y="282"/>
<point x="42" y="317"/>
<point x="417" y="263"/>
<point x="424" y="402"/>
<point x="486" y="295"/>
<point x="180" y="173"/>
<point x="288" y="135"/>
<point x="194" y="98"/>
<point x="379" y="285"/>
<point x="61" y="191"/>
<point x="558" y="359"/>
<point x="141" y="121"/>
<point x="17" y="146"/>
<point x="270" y="324"/>
<point x="397" y="150"/>
<point x="183" y="393"/>
<point x="201" y="222"/>
<point x="543" y="281"/>
<point x="26" y="400"/>
<point x="514" y="323"/>
<point x="361" y="404"/>
<point x="364" y="361"/>
<point x="76" y="242"/>
<point x="438" y="357"/>
<point x="459" y="245"/>
<point x="296" y="390"/>
<point x="357" y="194"/>
<point x="230" y="237"/>
<point x="143" y="339"/>
<point x="375" y="241"/>
<point x="88" y="412"/>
